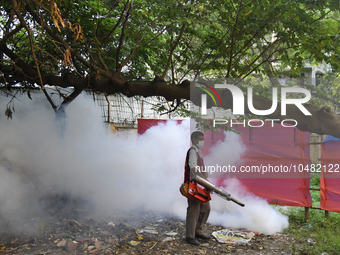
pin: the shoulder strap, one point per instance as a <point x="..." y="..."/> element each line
<point x="187" y="168"/>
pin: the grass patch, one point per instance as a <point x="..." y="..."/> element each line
<point x="318" y="235"/>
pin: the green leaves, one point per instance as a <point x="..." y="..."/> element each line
<point x="221" y="38"/>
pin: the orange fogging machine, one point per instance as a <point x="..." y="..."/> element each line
<point x="203" y="195"/>
<point x="193" y="191"/>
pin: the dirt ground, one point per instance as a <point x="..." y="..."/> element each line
<point x="77" y="232"/>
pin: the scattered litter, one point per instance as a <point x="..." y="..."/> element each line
<point x="231" y="236"/>
<point x="311" y="241"/>
<point x="70" y="246"/>
<point x="74" y="223"/>
<point x="94" y="251"/>
<point x="153" y="245"/>
<point x="91" y="247"/>
<point x="171" y="233"/>
<point x="99" y="244"/>
<point x="126" y="225"/>
<point x="168" y="239"/>
<point x="134" y="243"/>
<point x="139" y="236"/>
<point x="61" y="243"/>
<point x="149" y="230"/>
<point x="111" y="224"/>
<point x="14" y="241"/>
<point x="83" y="238"/>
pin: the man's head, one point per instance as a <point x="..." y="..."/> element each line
<point x="197" y="138"/>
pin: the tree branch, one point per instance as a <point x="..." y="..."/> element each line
<point x="100" y="59"/>
<point x="232" y="44"/>
<point x="12" y="32"/>
<point x="318" y="95"/>
<point x="322" y="16"/>
<point x="73" y="52"/>
<point x="115" y="26"/>
<point x="28" y="73"/>
<point x="71" y="97"/>
<point x="118" y="65"/>
<point x="22" y="21"/>
<point x="172" y="50"/>
<point x="135" y="50"/>
<point x="259" y="56"/>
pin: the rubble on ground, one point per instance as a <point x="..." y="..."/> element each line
<point x="149" y="233"/>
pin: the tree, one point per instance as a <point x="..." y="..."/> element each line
<point x="147" y="49"/>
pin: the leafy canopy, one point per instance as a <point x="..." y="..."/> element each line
<point x="140" y="47"/>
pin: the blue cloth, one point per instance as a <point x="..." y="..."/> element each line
<point x="330" y="138"/>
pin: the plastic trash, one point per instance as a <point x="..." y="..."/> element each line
<point x="233" y="236"/>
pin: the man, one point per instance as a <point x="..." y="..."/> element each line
<point x="197" y="213"/>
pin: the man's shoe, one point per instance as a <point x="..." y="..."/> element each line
<point x="202" y="236"/>
<point x="192" y="241"/>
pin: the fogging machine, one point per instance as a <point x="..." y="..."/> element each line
<point x="222" y="193"/>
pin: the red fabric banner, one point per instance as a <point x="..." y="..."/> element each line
<point x="285" y="148"/>
<point x="269" y="146"/>
<point x="145" y="124"/>
<point x="330" y="174"/>
<point x="279" y="146"/>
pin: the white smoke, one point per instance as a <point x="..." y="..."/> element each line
<point x="257" y="215"/>
<point x="115" y="173"/>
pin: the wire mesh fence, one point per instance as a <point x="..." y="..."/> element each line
<point x="124" y="111"/>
